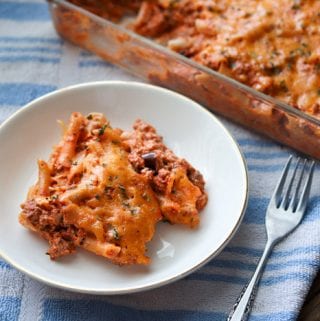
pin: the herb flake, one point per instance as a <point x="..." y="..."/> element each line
<point x="102" y="129"/>
<point x="134" y="210"/>
<point x="123" y="192"/>
<point x="115" y="234"/>
<point x="283" y="86"/>
<point x="146" y="197"/>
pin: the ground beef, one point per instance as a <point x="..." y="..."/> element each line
<point x="144" y="140"/>
<point x="65" y="241"/>
<point x="48" y="219"/>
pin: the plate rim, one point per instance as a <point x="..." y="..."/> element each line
<point x="164" y="281"/>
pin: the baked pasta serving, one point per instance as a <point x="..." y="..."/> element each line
<point x="104" y="190"/>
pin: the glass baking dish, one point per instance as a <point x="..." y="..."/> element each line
<point x="161" y="66"/>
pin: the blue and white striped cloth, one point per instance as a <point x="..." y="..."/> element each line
<point x="34" y="61"/>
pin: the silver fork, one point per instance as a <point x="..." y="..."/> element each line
<point x="283" y="215"/>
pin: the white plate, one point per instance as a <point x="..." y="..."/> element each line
<point x="190" y="130"/>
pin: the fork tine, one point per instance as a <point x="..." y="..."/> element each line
<point x="306" y="190"/>
<point x="277" y="193"/>
<point x="294" y="199"/>
<point x="285" y="200"/>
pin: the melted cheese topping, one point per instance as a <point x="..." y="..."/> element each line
<point x="94" y="194"/>
<point x="272" y="46"/>
<point x="93" y="185"/>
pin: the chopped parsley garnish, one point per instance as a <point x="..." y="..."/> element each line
<point x="97" y="197"/>
<point x="115" y="234"/>
<point x="173" y="3"/>
<point x="123" y="192"/>
<point x="89" y="117"/>
<point x="102" y="129"/>
<point x="99" y="217"/>
<point x="109" y="191"/>
<point x="300" y="52"/>
<point x="273" y="69"/>
<point x="283" y="86"/>
<point x="112" y="178"/>
<point x="126" y="204"/>
<point x="253" y="55"/>
<point x="295" y="7"/>
<point x="134" y="210"/>
<point x="146" y="197"/>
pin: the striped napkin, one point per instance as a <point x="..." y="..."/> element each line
<point x="35" y="61"/>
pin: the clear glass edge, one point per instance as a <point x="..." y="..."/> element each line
<point x="234" y="83"/>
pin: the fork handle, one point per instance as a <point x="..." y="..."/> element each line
<point x="243" y="305"/>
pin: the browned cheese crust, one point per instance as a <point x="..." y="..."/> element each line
<point x="269" y="45"/>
